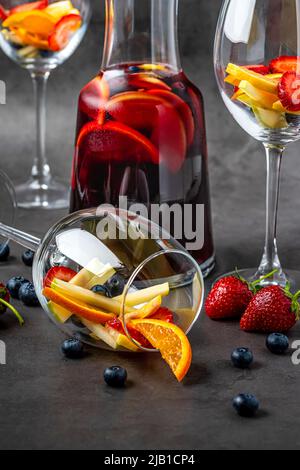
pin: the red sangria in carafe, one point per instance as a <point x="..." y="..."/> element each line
<point x="141" y="130"/>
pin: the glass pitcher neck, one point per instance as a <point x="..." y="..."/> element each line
<point x="141" y="31"/>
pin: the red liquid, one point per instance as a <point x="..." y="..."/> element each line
<point x="141" y="134"/>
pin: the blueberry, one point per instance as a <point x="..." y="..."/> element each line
<point x="73" y="348"/>
<point x="242" y="358"/>
<point x="277" y="343"/>
<point x="101" y="290"/>
<point x="115" y="376"/>
<point x="115" y="285"/>
<point x="4" y="251"/>
<point x="27" y="258"/>
<point x="134" y="69"/>
<point x="27" y="295"/>
<point x="14" y="285"/>
<point x="246" y="405"/>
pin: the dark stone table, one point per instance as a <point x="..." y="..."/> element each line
<point x="49" y="402"/>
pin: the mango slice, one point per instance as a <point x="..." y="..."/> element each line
<point x="256" y="79"/>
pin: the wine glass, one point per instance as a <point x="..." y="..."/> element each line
<point x="39" y="37"/>
<point x="256" y="63"/>
<point x="8" y="201"/>
<point x="152" y="265"/>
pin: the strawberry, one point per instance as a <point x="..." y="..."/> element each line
<point x="4" y="295"/>
<point x="289" y="91"/>
<point x="261" y="69"/>
<point x="116" y="324"/>
<point x="59" y="272"/>
<point x="272" y="310"/>
<point x="284" y="64"/>
<point x="4" y="303"/>
<point x="228" y="298"/>
<point x="164" y="314"/>
<point x="3" y="13"/>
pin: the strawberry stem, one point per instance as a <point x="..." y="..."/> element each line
<point x="15" y="312"/>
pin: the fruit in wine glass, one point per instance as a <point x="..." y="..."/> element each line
<point x="38" y="29"/>
<point x="271" y="92"/>
<point x="71" y="294"/>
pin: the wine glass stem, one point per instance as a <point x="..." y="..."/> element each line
<point x="270" y="260"/>
<point x="40" y="170"/>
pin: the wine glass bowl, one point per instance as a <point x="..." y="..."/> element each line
<point x="155" y="275"/>
<point x="270" y="31"/>
<point x="257" y="67"/>
<point x="33" y="53"/>
<point x="39" y="36"/>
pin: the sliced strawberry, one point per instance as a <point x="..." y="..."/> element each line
<point x="3" y="13"/>
<point x="289" y="91"/>
<point x="261" y="69"/>
<point x="93" y="98"/>
<point x="40" y="5"/>
<point x="64" y="30"/>
<point x="284" y="64"/>
<point x="113" y="141"/>
<point x="136" y="335"/>
<point x="164" y="314"/>
<point x="59" y="272"/>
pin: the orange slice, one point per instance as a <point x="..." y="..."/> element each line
<point x="173" y="344"/>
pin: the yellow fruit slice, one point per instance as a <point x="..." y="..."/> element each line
<point x="279" y="107"/>
<point x="33" y="22"/>
<point x="145" y="295"/>
<point x="60" y="313"/>
<point x="171" y="341"/>
<point x="86" y="296"/>
<point x="262" y="98"/>
<point x="256" y="79"/>
<point x="245" y="100"/>
<point x="274" y="76"/>
<point x="147" y="311"/>
<point x="59" y="9"/>
<point x="232" y="80"/>
<point x="270" y="119"/>
<point x="81" y="309"/>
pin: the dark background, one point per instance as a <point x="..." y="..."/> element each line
<point x="48" y="402"/>
<point x="237" y="165"/>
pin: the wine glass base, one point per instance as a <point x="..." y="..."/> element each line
<point x="293" y="277"/>
<point x="50" y="195"/>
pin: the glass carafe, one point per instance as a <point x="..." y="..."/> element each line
<point x="141" y="140"/>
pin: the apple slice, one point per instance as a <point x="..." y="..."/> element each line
<point x="61" y="314"/>
<point x="263" y="98"/>
<point x="93" y="98"/>
<point x="115" y="142"/>
<point x="122" y="340"/>
<point x="88" y="278"/>
<point x="88" y="297"/>
<point x="145" y="295"/>
<point x="145" y="312"/>
<point x="256" y="79"/>
<point x="76" y="307"/>
<point x="270" y="119"/>
<point x="182" y="108"/>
